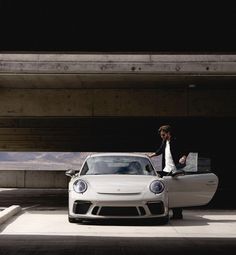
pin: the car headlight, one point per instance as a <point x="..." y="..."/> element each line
<point x="157" y="187"/>
<point x="80" y="186"/>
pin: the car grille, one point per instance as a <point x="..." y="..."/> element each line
<point x="118" y="211"/>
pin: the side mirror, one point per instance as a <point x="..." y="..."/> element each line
<point x="70" y="172"/>
<point x="177" y="173"/>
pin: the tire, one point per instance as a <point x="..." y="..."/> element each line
<point x="71" y="220"/>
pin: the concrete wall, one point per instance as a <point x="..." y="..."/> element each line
<point x="33" y="179"/>
<point x="178" y="102"/>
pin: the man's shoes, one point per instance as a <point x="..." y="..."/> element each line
<point x="177" y="214"/>
<point x="177" y="217"/>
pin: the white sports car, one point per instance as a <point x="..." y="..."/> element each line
<point x="126" y="185"/>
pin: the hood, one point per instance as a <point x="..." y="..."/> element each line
<point x="119" y="184"/>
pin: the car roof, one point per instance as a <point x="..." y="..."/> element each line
<point x="118" y="154"/>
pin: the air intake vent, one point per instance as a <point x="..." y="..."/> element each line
<point x="81" y="207"/>
<point x="156" y="207"/>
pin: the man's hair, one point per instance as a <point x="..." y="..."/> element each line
<point x="165" y="128"/>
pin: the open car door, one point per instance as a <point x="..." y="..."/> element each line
<point x="191" y="189"/>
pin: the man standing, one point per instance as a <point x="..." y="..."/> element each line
<point x="173" y="157"/>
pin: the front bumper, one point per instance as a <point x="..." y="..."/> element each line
<point x="131" y="209"/>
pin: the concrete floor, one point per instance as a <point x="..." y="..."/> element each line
<point x="42" y="228"/>
<point x="196" y="223"/>
<point x="48" y="232"/>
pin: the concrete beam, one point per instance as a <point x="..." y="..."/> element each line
<point x="100" y="71"/>
<point x="117" y="63"/>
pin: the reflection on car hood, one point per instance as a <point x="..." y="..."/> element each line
<point x="119" y="184"/>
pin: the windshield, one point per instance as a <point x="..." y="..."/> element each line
<point x="117" y="165"/>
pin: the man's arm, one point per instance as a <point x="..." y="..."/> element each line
<point x="158" y="152"/>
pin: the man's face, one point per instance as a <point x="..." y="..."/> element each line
<point x="164" y="135"/>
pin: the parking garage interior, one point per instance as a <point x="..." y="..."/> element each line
<point x="84" y="103"/>
<point x="57" y="111"/>
<point x="100" y="102"/>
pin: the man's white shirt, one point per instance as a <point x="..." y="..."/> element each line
<point x="169" y="163"/>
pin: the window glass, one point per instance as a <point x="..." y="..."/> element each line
<point x="117" y="165"/>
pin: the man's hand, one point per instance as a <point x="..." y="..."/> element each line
<point x="182" y="160"/>
<point x="151" y="155"/>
